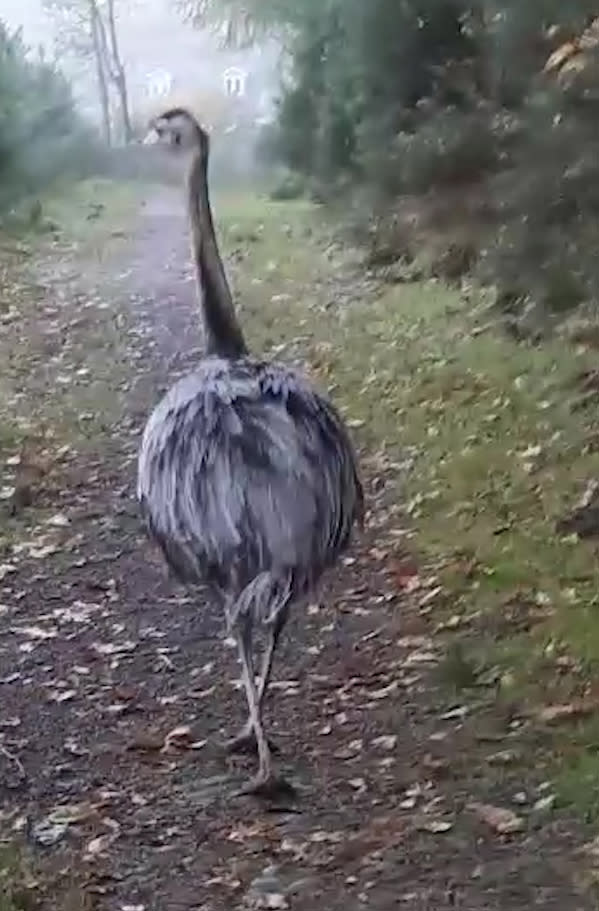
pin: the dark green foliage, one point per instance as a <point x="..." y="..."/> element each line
<point x="41" y="135"/>
<point x="447" y="100"/>
<point x="359" y="72"/>
<point x="425" y="97"/>
<point x="545" y="249"/>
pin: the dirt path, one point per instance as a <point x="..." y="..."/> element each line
<point x="101" y="656"/>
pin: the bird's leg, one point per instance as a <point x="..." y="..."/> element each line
<point x="266" y="782"/>
<point x="254" y="707"/>
<point x="245" y="741"/>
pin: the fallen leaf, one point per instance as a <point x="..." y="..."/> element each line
<point x="358" y="784"/>
<point x="351" y="750"/>
<point x="58" y="521"/>
<point x="243" y="832"/>
<point x="503" y="757"/>
<point x="35" y="632"/>
<point x="407" y="578"/>
<point x="437" y="826"/>
<point x="101" y="843"/>
<point x="578" y="709"/>
<point x="60" y="696"/>
<point x="111" y="648"/>
<point x="40" y="553"/>
<point x="384" y="691"/>
<point x="502" y="821"/>
<point x="180" y="738"/>
<point x="459" y="712"/>
<point x="386" y="742"/>
<point x="544" y="803"/>
<point x="420" y="657"/>
<point x="591" y="848"/>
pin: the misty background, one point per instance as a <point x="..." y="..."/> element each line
<point x="458" y="136"/>
<point x="161" y="53"/>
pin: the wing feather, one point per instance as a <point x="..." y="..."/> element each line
<point x="245" y="469"/>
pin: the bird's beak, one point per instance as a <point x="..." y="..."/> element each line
<point x="151" y="137"/>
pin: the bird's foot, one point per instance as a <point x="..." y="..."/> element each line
<point x="269" y="786"/>
<point x="245" y="742"/>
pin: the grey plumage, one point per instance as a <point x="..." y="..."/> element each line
<point x="247" y="479"/>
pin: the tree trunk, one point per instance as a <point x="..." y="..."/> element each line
<point x="100" y="74"/>
<point x="119" y="76"/>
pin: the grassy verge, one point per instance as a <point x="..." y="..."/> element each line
<point x="499" y="449"/>
<point x="20" y="882"/>
<point x="63" y="351"/>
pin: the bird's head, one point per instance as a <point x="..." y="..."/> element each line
<point x="179" y="129"/>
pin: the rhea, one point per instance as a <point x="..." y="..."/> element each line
<point x="247" y="477"/>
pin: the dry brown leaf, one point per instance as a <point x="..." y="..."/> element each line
<point x="577" y="709"/>
<point x="101" y="843"/>
<point x="502" y="821"/>
<point x="503" y="757"/>
<point x="35" y="632"/>
<point x="180" y="738"/>
<point x="384" y="692"/>
<point x="437" y="826"/>
<point x="352" y="749"/>
<point x="591" y="848"/>
<point x="385" y="742"/>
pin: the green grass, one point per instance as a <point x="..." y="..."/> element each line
<point x="16" y="880"/>
<point x="499" y="455"/>
<point x="24" y="886"/>
<point x="47" y="400"/>
<point x="71" y="211"/>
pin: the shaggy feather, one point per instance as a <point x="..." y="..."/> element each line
<point x="245" y="470"/>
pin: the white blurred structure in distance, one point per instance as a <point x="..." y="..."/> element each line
<point x="235" y="81"/>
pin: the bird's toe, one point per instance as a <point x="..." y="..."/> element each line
<point x="270" y="787"/>
<point x="245" y="743"/>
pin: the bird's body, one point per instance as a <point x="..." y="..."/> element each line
<point x="247" y="478"/>
<point x="246" y="470"/>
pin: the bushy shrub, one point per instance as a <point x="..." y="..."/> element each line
<point x="41" y="134"/>
<point x="358" y="72"/>
<point x="424" y="100"/>
<point x="452" y="148"/>
<point x="289" y="186"/>
<point x="545" y="248"/>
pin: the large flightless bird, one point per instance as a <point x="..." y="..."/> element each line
<point x="247" y="477"/>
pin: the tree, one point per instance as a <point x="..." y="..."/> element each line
<point x="112" y="57"/>
<point x="87" y="30"/>
<point x="41" y="133"/>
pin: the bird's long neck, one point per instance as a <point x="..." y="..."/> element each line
<point x="223" y="335"/>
